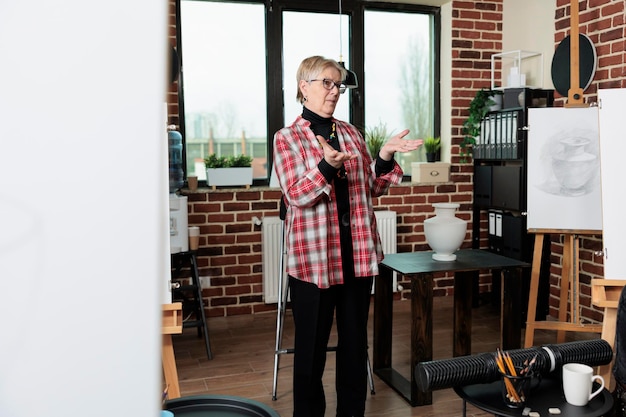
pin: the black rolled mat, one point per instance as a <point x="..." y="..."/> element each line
<point x="482" y="368"/>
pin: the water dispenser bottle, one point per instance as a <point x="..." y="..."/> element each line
<point x="175" y="140"/>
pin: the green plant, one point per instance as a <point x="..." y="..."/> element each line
<point x="239" y="161"/>
<point x="478" y="109"/>
<point x="431" y="144"/>
<point x="375" y="138"/>
<point x="214" y="161"/>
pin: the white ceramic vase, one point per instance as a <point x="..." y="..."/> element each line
<point x="445" y="232"/>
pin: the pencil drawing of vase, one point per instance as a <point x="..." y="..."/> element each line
<point x="574" y="167"/>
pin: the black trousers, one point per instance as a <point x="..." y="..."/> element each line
<point x="619" y="365"/>
<point x="313" y="312"/>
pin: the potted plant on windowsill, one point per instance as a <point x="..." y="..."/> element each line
<point x="432" y="146"/>
<point x="228" y="171"/>
<point x="481" y="104"/>
<point x="375" y="138"/>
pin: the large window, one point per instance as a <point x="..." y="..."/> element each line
<point x="223" y="47"/>
<point x="400" y="76"/>
<point x="239" y="61"/>
<point x="299" y="44"/>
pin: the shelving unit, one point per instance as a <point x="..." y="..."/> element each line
<point x="500" y="165"/>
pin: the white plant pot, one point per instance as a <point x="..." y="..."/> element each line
<point x="445" y="232"/>
<point x="229" y="176"/>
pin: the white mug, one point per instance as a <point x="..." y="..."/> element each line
<point x="577" y="383"/>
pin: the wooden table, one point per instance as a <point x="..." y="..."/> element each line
<point x="420" y="267"/>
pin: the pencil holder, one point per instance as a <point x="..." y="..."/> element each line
<point x="516" y="388"/>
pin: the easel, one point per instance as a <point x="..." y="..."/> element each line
<point x="605" y="293"/>
<point x="569" y="269"/>
<point x="575" y="93"/>
<point x="569" y="273"/>
<point x="569" y="288"/>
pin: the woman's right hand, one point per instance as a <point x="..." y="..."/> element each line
<point x="334" y="157"/>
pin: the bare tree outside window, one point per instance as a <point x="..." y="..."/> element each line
<point x="399" y="81"/>
<point x="417" y="92"/>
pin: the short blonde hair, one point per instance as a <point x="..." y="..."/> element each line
<point x="311" y="67"/>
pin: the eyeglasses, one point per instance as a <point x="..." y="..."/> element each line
<point x="329" y="84"/>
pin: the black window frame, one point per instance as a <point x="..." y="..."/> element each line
<point x="274" y="73"/>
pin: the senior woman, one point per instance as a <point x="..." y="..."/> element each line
<point x="328" y="179"/>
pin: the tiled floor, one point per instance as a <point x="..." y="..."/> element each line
<point x="243" y="360"/>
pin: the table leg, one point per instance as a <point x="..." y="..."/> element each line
<point x="462" y="323"/>
<point x="511" y="322"/>
<point x="421" y="332"/>
<point x="169" y="367"/>
<point x="383" y="318"/>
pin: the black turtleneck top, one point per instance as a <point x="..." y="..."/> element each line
<point x="324" y="126"/>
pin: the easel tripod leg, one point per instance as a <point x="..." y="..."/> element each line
<point x="534" y="291"/>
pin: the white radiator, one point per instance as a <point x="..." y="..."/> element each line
<point x="387" y="229"/>
<point x="271" y="231"/>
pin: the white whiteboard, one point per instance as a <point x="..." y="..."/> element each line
<point x="564" y="190"/>
<point x="612" y="103"/>
<point x="83" y="195"/>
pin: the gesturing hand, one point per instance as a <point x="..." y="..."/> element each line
<point x="398" y="144"/>
<point x="334" y="157"/>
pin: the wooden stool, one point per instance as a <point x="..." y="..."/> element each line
<point x="172" y="323"/>
<point x="605" y="293"/>
<point x="190" y="295"/>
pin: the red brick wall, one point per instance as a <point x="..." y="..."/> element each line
<point x="476" y="36"/>
<point x="230" y="243"/>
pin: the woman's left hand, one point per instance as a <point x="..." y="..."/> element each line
<point x="398" y="144"/>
